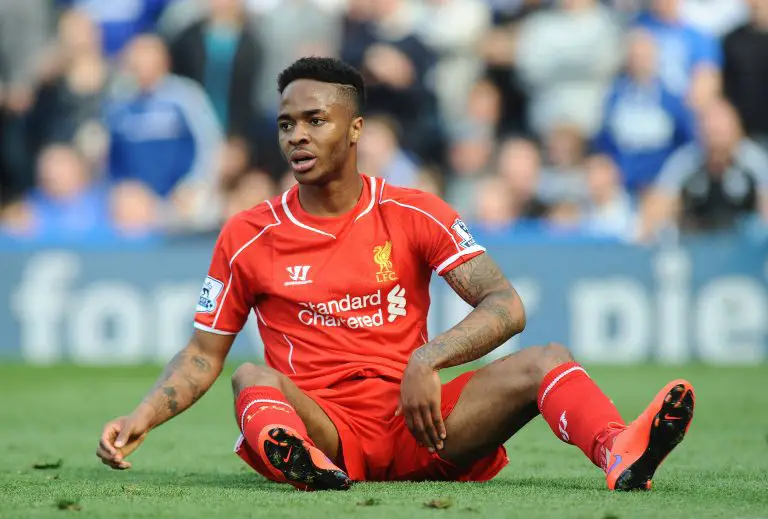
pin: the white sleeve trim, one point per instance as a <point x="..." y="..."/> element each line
<point x="446" y="263"/>
<point x="428" y="215"/>
<point x="212" y="330"/>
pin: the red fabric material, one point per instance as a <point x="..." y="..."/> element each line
<point x="377" y="446"/>
<point x="577" y="410"/>
<point x="258" y="407"/>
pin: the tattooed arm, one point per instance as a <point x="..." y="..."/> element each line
<point x="186" y="378"/>
<point x="498" y="315"/>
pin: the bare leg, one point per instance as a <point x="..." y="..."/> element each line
<point x="319" y="426"/>
<point x="498" y="401"/>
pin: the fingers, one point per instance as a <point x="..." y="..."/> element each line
<point x="115" y="461"/>
<point x="418" y="430"/>
<point x="426" y="424"/>
<point x="117" y="464"/>
<point x="433" y="439"/>
<point x="114" y="436"/>
<point x="437" y="420"/>
<point x="124" y="436"/>
<point x="108" y="436"/>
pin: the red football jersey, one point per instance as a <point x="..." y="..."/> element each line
<point x="334" y="297"/>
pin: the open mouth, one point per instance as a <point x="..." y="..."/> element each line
<point x="302" y="161"/>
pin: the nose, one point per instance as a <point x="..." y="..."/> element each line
<point x="299" y="135"/>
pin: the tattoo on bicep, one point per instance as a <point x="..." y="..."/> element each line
<point x="476" y="278"/>
<point x="201" y="363"/>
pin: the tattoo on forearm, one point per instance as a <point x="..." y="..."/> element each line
<point x="173" y="405"/>
<point x="185" y="379"/>
<point x="498" y="315"/>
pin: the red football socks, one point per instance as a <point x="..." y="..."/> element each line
<point x="578" y="412"/>
<point x="260" y="406"/>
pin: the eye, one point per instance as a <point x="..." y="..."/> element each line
<point x="284" y="126"/>
<point x="316" y="121"/>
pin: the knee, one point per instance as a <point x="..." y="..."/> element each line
<point x="555" y="354"/>
<point x="543" y="359"/>
<point x="249" y="374"/>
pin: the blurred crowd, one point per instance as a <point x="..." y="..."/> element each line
<point x="619" y="120"/>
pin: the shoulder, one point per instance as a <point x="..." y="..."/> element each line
<point x="681" y="165"/>
<point x="248" y="227"/>
<point x="735" y="35"/>
<point x="753" y="155"/>
<point x="413" y="202"/>
<point x="180" y="88"/>
<point x="688" y="156"/>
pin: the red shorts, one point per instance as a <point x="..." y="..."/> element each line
<point x="376" y="445"/>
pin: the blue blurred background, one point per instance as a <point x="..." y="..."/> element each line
<point x="611" y="154"/>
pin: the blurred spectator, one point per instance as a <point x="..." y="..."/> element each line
<point x="23" y="27"/>
<point x="484" y="105"/>
<point x="497" y="49"/>
<point x="567" y="58"/>
<point x="563" y="179"/>
<point x="381" y="154"/>
<point x="165" y="134"/>
<point x="67" y="203"/>
<point x="746" y="71"/>
<point x="135" y="210"/>
<point x="713" y="183"/>
<point x="494" y="207"/>
<point x="689" y="60"/>
<point x="234" y="160"/>
<point x="431" y="181"/>
<point x="380" y="39"/>
<point x="16" y="220"/>
<point x="120" y="20"/>
<point x="76" y="76"/>
<point x="563" y="218"/>
<point x="610" y="211"/>
<point x="223" y="55"/>
<point x="715" y="17"/>
<point x="519" y="164"/>
<point x="453" y="28"/>
<point x="179" y="15"/>
<point x="643" y="122"/>
<point x="288" y="30"/>
<point x="247" y="190"/>
<point x="469" y="158"/>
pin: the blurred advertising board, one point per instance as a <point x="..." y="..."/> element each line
<point x="704" y="301"/>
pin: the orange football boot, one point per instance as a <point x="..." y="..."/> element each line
<point x="639" y="449"/>
<point x="303" y="466"/>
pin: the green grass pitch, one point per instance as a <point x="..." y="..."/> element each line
<point x="186" y="468"/>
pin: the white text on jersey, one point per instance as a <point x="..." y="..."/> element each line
<point x="325" y="314"/>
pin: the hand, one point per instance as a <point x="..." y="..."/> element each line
<point x="420" y="393"/>
<point x="120" y="438"/>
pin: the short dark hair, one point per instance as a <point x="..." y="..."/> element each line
<point x="326" y="70"/>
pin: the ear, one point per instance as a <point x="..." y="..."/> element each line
<point x="357" y="129"/>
